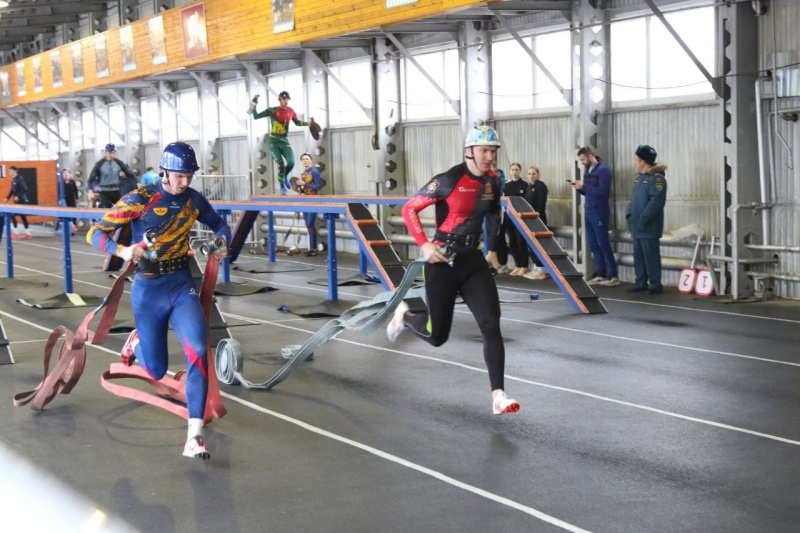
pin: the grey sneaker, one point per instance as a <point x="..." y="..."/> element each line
<point x="610" y="282"/>
<point x="596" y="280"/>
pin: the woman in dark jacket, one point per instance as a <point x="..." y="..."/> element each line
<point x="536" y="195"/>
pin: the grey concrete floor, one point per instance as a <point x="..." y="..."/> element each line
<point x="670" y="413"/>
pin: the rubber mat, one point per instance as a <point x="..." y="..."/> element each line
<point x="347" y="282"/>
<point x="240" y="289"/>
<point x="273" y="268"/>
<point x="64" y="300"/>
<point x="322" y="309"/>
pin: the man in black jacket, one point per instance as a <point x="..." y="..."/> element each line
<point x="106" y="174"/>
<point x="19" y="191"/>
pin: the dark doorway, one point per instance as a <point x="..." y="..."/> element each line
<point x="29" y="175"/>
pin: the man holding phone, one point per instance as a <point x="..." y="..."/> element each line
<point x="596" y="187"/>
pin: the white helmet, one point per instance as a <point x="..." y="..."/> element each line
<point x="482" y="136"/>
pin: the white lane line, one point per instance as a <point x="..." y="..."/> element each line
<point x="27" y="342"/>
<point x="61" y="248"/>
<point x="378" y="453"/>
<point x="508" y="287"/>
<point x="728" y="313"/>
<point x="373" y="347"/>
<point x="529" y="322"/>
<point x="643" y="341"/>
<point x="419" y="468"/>
<point x="665" y="306"/>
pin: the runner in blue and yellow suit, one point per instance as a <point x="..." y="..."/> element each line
<point x="163" y="291"/>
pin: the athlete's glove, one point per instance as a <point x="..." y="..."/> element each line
<point x="314" y="129"/>
<point x="253" y="103"/>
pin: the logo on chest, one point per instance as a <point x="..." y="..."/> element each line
<point x="488" y="192"/>
<point x="160" y="211"/>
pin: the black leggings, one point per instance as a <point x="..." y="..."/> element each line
<point x="470" y="277"/>
<point x="24" y="221"/>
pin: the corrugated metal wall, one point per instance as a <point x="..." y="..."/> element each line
<point x="782" y="15"/>
<point x="785" y="215"/>
<point x="688" y="141"/>
<point x="545" y="142"/>
<point x="430" y="150"/>
<point x="235" y="156"/>
<point x="352" y="162"/>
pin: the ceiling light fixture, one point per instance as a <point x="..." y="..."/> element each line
<point x="3" y="4"/>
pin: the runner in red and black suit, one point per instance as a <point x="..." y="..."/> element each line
<point x="464" y="196"/>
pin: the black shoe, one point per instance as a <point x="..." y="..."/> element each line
<point x="638" y="289"/>
<point x="655" y="290"/>
<point x="311" y="253"/>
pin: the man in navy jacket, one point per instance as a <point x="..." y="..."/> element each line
<point x="596" y="187"/>
<point x="646" y="219"/>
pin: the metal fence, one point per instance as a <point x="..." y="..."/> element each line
<point x="216" y="187"/>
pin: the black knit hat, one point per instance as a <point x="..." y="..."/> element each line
<point x="284" y="94"/>
<point x="647" y="154"/>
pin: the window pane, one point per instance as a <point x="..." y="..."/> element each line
<point x="169" y="125"/>
<point x="10" y="148"/>
<point x="421" y="99"/>
<point x="358" y="79"/>
<point x="670" y="65"/>
<point x="116" y="116"/>
<point x="553" y="50"/>
<point x="233" y="93"/>
<point x="512" y="76"/>
<point x="189" y="110"/>
<point x="150" y="116"/>
<point x="87" y="121"/>
<point x="629" y="60"/>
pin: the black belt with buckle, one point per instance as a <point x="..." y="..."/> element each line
<point x="460" y="242"/>
<point x="167" y="266"/>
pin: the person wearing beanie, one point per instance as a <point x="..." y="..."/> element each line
<point x="646" y="219"/>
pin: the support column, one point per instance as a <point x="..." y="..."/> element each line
<point x="591" y="105"/>
<point x="388" y="140"/>
<point x="740" y="221"/>
<point x="476" y="57"/>
<point x="315" y="85"/>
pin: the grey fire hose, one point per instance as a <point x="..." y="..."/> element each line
<point x="364" y="317"/>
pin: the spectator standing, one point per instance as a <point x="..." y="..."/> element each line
<point x="70" y="193"/>
<point x="311" y="183"/>
<point x="517" y="246"/>
<point x="646" y="219"/>
<point x="536" y="195"/>
<point x="596" y="187"/>
<point x="104" y="179"/>
<point x="19" y="192"/>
